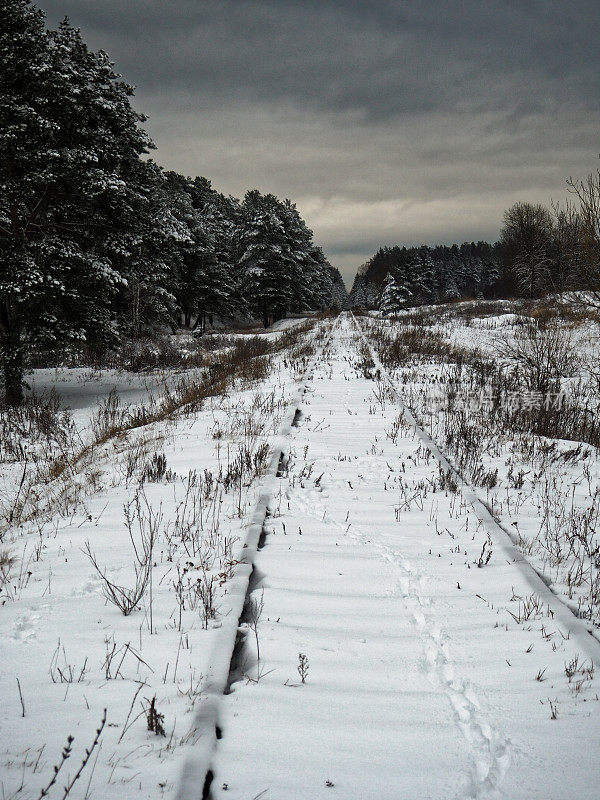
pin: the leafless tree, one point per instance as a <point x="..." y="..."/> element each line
<point x="528" y="240"/>
<point x="543" y="354"/>
<point x="585" y="251"/>
<point x="568" y="237"/>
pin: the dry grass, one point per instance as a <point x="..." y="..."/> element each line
<point x="463" y="403"/>
<point x="68" y="470"/>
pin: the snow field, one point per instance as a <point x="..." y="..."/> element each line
<point x="421" y="683"/>
<point x="206" y="729"/>
<point x="544" y="491"/>
<point x="76" y="654"/>
<point x="565" y="612"/>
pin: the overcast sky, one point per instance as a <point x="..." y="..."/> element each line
<point x="386" y="121"/>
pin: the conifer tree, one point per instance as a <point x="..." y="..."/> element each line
<point x="71" y="187"/>
<point x="338" y="296"/>
<point x="395" y="296"/>
<point x="204" y="280"/>
<point x="276" y="258"/>
<point x="96" y="240"/>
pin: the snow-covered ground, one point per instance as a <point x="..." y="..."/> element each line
<point x="80" y="390"/>
<point x="421" y="682"/>
<point x="172" y="498"/>
<point x="544" y="488"/>
<point x="385" y="655"/>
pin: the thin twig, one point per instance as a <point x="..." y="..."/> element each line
<point x="139" y="689"/>
<point x="21" y="696"/>
<point x="88" y="753"/>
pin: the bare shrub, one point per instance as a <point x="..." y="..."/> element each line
<point x="125" y="598"/>
<point x="530" y="607"/>
<point x="466" y="438"/>
<point x="570" y="421"/>
<point x="147" y="523"/>
<point x="39" y="423"/>
<point x="62" y="671"/>
<point x="69" y="473"/>
<point x="65" y="755"/>
<point x="156" y="471"/>
<point x="110" y="418"/>
<point x="397" y="345"/>
<point x="154" y="352"/>
<point x="253" y="610"/>
<point x="486" y="553"/>
<point x="158" y="353"/>
<point x="583" y="251"/>
<point x="543" y="354"/>
<point x="365" y="365"/>
<point x="206" y="590"/>
<point x="478" y="309"/>
<point x="7" y="562"/>
<point x="154" y="719"/>
<point x="303" y="665"/>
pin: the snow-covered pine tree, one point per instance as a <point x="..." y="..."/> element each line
<point x="273" y="256"/>
<point x="451" y="292"/>
<point x="215" y="287"/>
<point x="491" y="275"/>
<point x="316" y="281"/>
<point x="70" y="147"/>
<point x="204" y="271"/>
<point x="394" y="296"/>
<point x="219" y="287"/>
<point x="339" y="296"/>
<point x="262" y="258"/>
<point x="471" y="268"/>
<point x="436" y="274"/>
<point x="146" y="249"/>
<point x="184" y="285"/>
<point x="308" y="273"/>
<point x="356" y="298"/>
<point x="387" y="303"/>
<point x="413" y="279"/>
<point x="425" y="279"/>
<point x="371" y="295"/>
<point x="25" y="65"/>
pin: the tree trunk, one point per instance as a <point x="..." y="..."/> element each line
<point x="200" y="324"/>
<point x="12" y="352"/>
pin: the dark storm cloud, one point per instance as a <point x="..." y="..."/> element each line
<point x="345" y="106"/>
<point x="380" y="58"/>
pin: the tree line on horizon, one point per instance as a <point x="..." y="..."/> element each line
<point x="411" y="276"/>
<point x="540" y="250"/>
<point x="98" y="241"/>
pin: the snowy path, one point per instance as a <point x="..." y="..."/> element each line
<point x="420" y="682"/>
<point x="176" y="496"/>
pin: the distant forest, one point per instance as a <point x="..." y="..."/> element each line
<point x="539" y="251"/>
<point x="424" y="275"/>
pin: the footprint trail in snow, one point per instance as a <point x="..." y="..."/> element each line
<point x="419" y="684"/>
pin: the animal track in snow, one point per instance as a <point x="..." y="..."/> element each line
<point x="24" y="627"/>
<point x="490" y="751"/>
